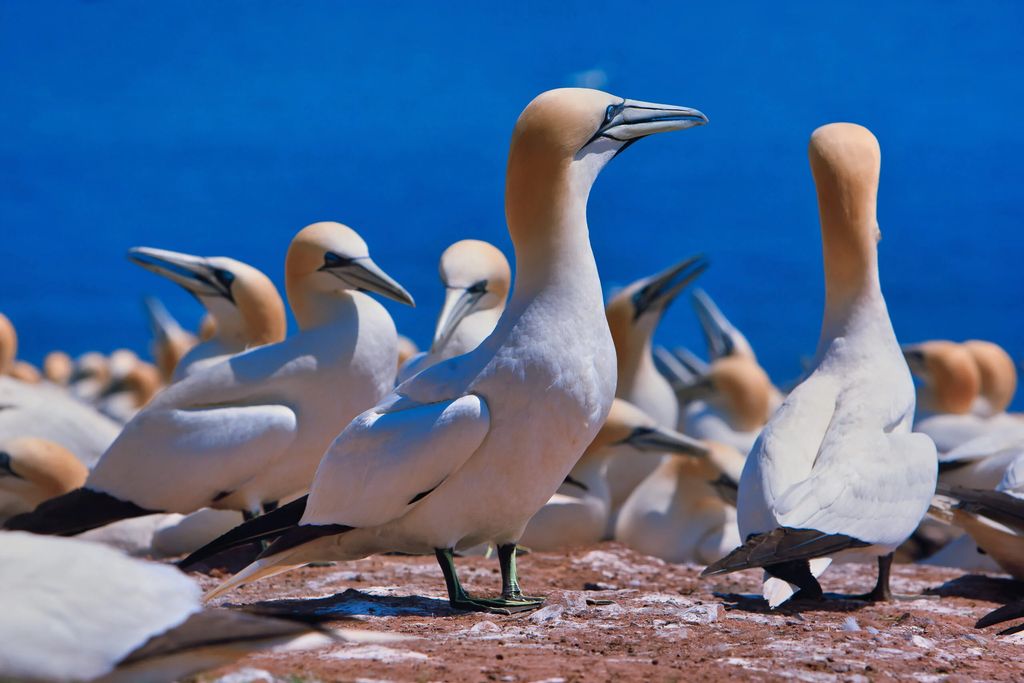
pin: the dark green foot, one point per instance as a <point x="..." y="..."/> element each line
<point x="495" y="605"/>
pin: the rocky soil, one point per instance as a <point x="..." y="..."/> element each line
<point x="663" y="624"/>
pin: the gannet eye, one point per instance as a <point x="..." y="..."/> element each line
<point x="477" y="287"/>
<point x="225" y="277"/>
<point x="332" y="260"/>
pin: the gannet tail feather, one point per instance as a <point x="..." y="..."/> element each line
<point x="283" y="555"/>
<point x="782" y="545"/>
<point x="1014" y="610"/>
<point x="75" y="512"/>
<point x="996" y="505"/>
<point x="262" y="528"/>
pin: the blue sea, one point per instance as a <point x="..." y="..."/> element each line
<point x="221" y="128"/>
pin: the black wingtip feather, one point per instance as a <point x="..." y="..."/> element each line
<point x="75" y="512"/>
<point x="782" y="545"/>
<point x="1014" y="610"/>
<point x="264" y="527"/>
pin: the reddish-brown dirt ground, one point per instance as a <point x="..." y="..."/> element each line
<point x="665" y="624"/>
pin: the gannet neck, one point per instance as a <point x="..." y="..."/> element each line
<point x="8" y="344"/>
<point x="313" y="309"/>
<point x="845" y="162"/>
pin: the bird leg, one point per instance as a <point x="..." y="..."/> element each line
<point x="459" y="599"/>
<point x="798" y="573"/>
<point x="510" y="576"/>
<point x="881" y="592"/>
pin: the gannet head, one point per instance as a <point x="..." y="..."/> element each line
<point x="634" y="312"/>
<point x="57" y="367"/>
<point x="36" y="469"/>
<point x="476" y="277"/>
<point x="998" y="374"/>
<point x="8" y="344"/>
<point x="329" y="258"/>
<point x="243" y="300"/>
<point x="722" y="337"/>
<point x="142" y="380"/>
<point x="564" y="138"/>
<point x="950" y="375"/>
<point x="91" y="365"/>
<point x="745" y="389"/>
<point x="628" y="425"/>
<point x="845" y="162"/>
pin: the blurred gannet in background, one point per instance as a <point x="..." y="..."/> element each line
<point x="58" y="367"/>
<point x="998" y="375"/>
<point x="244" y="304"/>
<point x="837" y="466"/>
<point x="476" y="278"/>
<point x="48" y="412"/>
<point x="406" y="350"/>
<point x="90" y="377"/>
<point x="170" y="341"/>
<point x="633" y="315"/>
<point x="250" y="430"/>
<point x="79" y="611"/>
<point x="33" y="470"/>
<point x="577" y="514"/>
<point x="685" y="510"/>
<point x="9" y="363"/>
<point x="468" y="450"/>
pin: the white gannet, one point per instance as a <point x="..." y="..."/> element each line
<point x="90" y="377"/>
<point x="58" y="367"/>
<point x="47" y="411"/>
<point x="33" y="470"/>
<point x="684" y="511"/>
<point x="837" y="466"/>
<point x="244" y="304"/>
<point x="250" y="430"/>
<point x="80" y="611"/>
<point x="633" y="314"/>
<point x="129" y="390"/>
<point x="467" y="451"/>
<point x="170" y="340"/>
<point x="577" y="514"/>
<point x="476" y="278"/>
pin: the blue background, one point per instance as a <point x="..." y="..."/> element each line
<point x="224" y="127"/>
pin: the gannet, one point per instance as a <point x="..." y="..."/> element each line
<point x="170" y="340"/>
<point x="468" y="450"/>
<point x="633" y="314"/>
<point x="130" y="390"/>
<point x="951" y="390"/>
<point x="244" y="304"/>
<point x="80" y="611"/>
<point x="476" y="278"/>
<point x="57" y="368"/>
<point x="47" y="411"/>
<point x="9" y="363"/>
<point x="577" y="514"/>
<point x="90" y="377"/>
<point x="33" y="470"/>
<point x="680" y="512"/>
<point x="250" y="430"/>
<point x="837" y="466"/>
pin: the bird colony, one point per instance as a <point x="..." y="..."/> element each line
<point x="541" y="417"/>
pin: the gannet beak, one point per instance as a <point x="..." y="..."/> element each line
<point x="194" y="273"/>
<point x="915" y="358"/>
<point x="631" y="120"/>
<point x="458" y="303"/>
<point x="716" y="327"/>
<point x="365" y="275"/>
<point x="6" y="468"/>
<point x="690" y="360"/>
<point x="661" y="440"/>
<point x="663" y="288"/>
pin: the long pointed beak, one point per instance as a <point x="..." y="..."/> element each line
<point x="364" y="274"/>
<point x="633" y="119"/>
<point x="692" y="362"/>
<point x="675" y="372"/>
<point x="664" y="287"/>
<point x="458" y="303"/>
<point x="191" y="272"/>
<point x="717" y="329"/>
<point x="662" y="440"/>
<point x="161" y="322"/>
